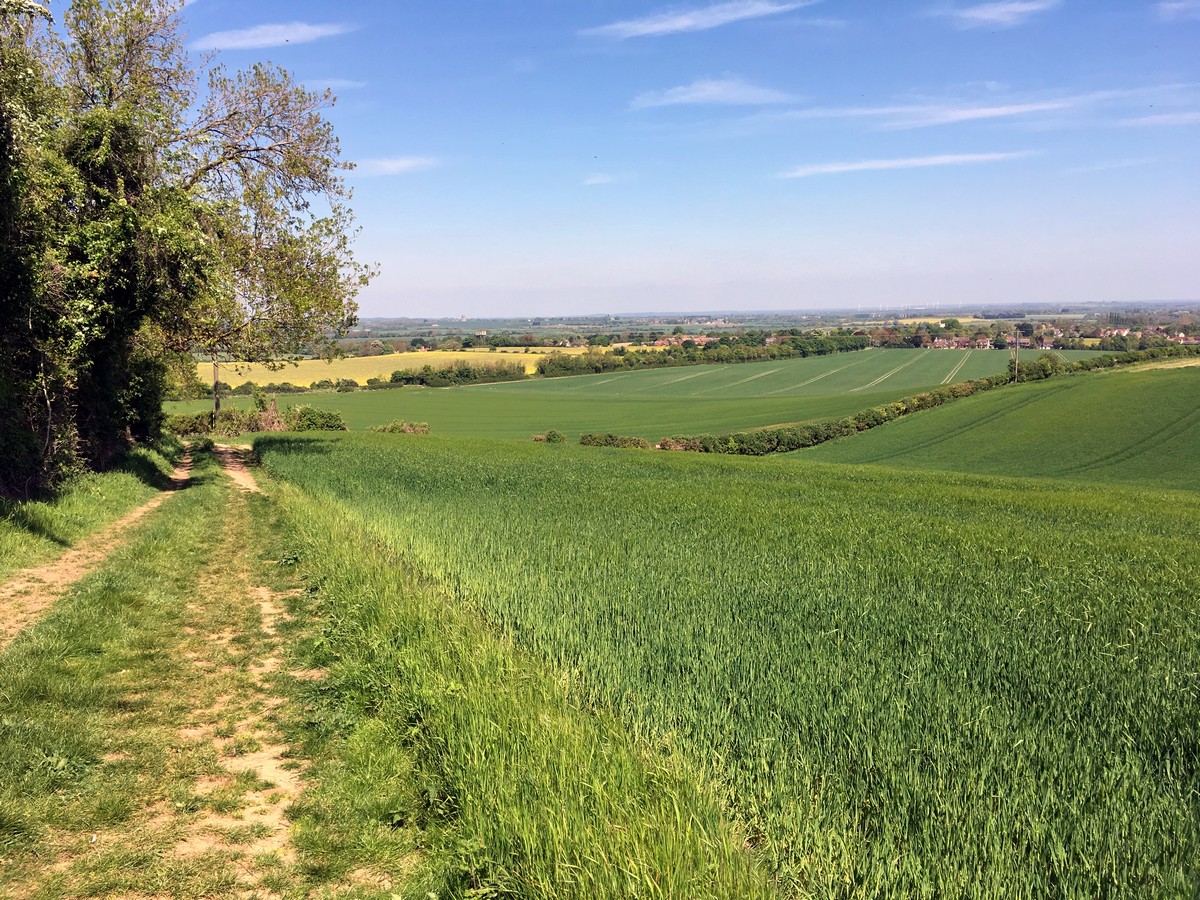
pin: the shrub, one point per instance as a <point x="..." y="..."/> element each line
<point x="614" y="440"/>
<point x="399" y="427"/>
<point x="186" y="424"/>
<point x="308" y="418"/>
<point x="553" y="436"/>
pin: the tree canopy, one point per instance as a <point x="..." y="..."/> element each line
<point x="152" y="207"/>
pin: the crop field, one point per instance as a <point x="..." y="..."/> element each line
<point x="901" y="683"/>
<point x="1140" y="427"/>
<point x="359" y="368"/>
<point x="661" y="402"/>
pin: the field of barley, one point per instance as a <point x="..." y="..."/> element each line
<point x="896" y="682"/>
<point x="1138" y="426"/>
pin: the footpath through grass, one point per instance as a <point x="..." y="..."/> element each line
<point x="146" y="721"/>
<point x="905" y="685"/>
<point x="31" y="533"/>
<point x="186" y="722"/>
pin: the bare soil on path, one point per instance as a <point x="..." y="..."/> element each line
<point x="215" y="774"/>
<point x="235" y="462"/>
<point x="28" y="593"/>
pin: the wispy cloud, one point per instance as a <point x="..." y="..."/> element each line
<point x="700" y="19"/>
<point x="724" y="91"/>
<point x="1172" y="118"/>
<point x="912" y="162"/>
<point x="950" y="112"/>
<point x="926" y="115"/>
<point x="272" y="35"/>
<point x="600" y="178"/>
<point x="1003" y="14"/>
<point x="396" y="165"/>
<point x="1178" y="10"/>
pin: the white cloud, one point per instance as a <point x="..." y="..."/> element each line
<point x="950" y="112"/>
<point x="1175" y="118"/>
<point x="1003" y="14"/>
<point x="600" y="178"/>
<point x="915" y="162"/>
<point x="1178" y="10"/>
<point x="948" y="115"/>
<point x="700" y="19"/>
<point x="272" y="35"/>
<point x="902" y="116"/>
<point x="725" y="91"/>
<point x="397" y="165"/>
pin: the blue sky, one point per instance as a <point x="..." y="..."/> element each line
<point x="552" y="157"/>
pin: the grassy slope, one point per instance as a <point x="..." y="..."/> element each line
<point x="1139" y="427"/>
<point x="32" y="533"/>
<point x="662" y="402"/>
<point x="904" y="683"/>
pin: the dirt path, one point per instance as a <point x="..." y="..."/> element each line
<point x="235" y="462"/>
<point x="244" y="798"/>
<point x="25" y="597"/>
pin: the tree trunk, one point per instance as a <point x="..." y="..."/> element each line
<point x="216" y="391"/>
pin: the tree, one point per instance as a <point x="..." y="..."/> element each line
<point x="145" y="220"/>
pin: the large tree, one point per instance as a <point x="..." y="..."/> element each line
<point x="150" y="216"/>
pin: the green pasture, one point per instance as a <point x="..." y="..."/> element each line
<point x="1122" y="426"/>
<point x="662" y="402"/>
<point x="901" y="683"/>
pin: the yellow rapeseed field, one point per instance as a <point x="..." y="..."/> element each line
<point x="306" y="371"/>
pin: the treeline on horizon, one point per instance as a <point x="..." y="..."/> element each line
<point x="728" y="349"/>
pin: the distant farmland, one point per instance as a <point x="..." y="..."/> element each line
<point x="662" y="402"/>
<point x="1123" y="426"/>
<point x="359" y="368"/>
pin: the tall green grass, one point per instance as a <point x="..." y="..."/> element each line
<point x="35" y="531"/>
<point x="905" y="684"/>
<point x="517" y="790"/>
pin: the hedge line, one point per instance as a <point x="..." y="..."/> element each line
<point x="558" y="365"/>
<point x="232" y="422"/>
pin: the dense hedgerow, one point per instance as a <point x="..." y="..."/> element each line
<point x="460" y="373"/>
<point x="232" y="422"/>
